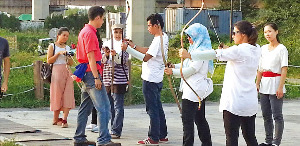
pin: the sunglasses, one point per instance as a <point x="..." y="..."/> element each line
<point x="235" y="32"/>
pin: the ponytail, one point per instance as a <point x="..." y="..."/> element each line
<point x="248" y="29"/>
<point x="253" y="37"/>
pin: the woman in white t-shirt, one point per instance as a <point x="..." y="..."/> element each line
<point x="61" y="87"/>
<point x="270" y="84"/>
<point x="239" y="95"/>
<point x="195" y="73"/>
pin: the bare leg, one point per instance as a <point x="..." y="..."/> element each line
<point x="65" y="117"/>
<point x="55" y="117"/>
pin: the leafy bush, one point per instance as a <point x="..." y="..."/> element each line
<point x="74" y="22"/>
<point x="11" y="23"/>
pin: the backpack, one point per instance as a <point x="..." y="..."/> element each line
<point x="46" y="70"/>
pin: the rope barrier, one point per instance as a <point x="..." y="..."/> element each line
<point x="137" y="87"/>
<point x="21" y="66"/>
<point x="20" y="92"/>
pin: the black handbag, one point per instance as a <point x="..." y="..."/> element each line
<point x="46" y="70"/>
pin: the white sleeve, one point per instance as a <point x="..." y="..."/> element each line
<point x="229" y="54"/>
<point x="135" y="53"/>
<point x="203" y="55"/>
<point x="176" y="66"/>
<point x="154" y="47"/>
<point x="107" y="44"/>
<point x="284" y="57"/>
<point x="187" y="72"/>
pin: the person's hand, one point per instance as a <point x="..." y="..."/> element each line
<point x="257" y="87"/>
<point x="98" y="84"/>
<point x="124" y="45"/>
<point x="62" y="52"/>
<point x="106" y="51"/>
<point x="113" y="52"/>
<point x="168" y="71"/>
<point x="4" y="87"/>
<point x="279" y="93"/>
<point x="170" y="65"/>
<point x="184" y="54"/>
<point x="74" y="77"/>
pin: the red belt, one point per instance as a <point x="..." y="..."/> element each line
<point x="270" y="74"/>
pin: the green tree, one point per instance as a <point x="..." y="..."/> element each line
<point x="11" y="23"/>
<point x="285" y="13"/>
<point x="249" y="7"/>
<point x="114" y="9"/>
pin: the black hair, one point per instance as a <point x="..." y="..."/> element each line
<point x="156" y="19"/>
<point x="248" y="29"/>
<point x="275" y="27"/>
<point x="95" y="11"/>
<point x="62" y="29"/>
<point x="99" y="38"/>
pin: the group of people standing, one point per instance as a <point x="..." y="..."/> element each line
<point x="246" y="61"/>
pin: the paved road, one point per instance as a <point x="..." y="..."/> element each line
<point x="137" y="121"/>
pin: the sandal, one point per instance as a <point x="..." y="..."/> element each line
<point x="58" y="122"/>
<point x="64" y="124"/>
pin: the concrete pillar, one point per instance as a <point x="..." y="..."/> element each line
<point x="40" y="9"/>
<point x="137" y="23"/>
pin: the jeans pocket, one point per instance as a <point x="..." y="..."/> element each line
<point x="89" y="83"/>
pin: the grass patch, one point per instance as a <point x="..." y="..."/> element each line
<point x="8" y="143"/>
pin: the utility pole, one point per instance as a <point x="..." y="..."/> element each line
<point x="231" y="14"/>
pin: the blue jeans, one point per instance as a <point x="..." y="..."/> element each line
<point x="92" y="97"/>
<point x="117" y="124"/>
<point x="158" y="127"/>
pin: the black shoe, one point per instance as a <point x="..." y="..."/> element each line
<point x="111" y="144"/>
<point x="84" y="143"/>
<point x="265" y="144"/>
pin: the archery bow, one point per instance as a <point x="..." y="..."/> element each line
<point x="168" y="76"/>
<point x="181" y="64"/>
<point x="124" y="36"/>
<point x="112" y="56"/>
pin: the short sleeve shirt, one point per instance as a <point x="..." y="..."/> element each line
<point x="153" y="69"/>
<point x="4" y="51"/>
<point x="272" y="61"/>
<point x="87" y="42"/>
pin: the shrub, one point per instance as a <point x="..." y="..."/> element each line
<point x="11" y="23"/>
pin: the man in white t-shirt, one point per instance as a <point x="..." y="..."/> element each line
<point x="152" y="75"/>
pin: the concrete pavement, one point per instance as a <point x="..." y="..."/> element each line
<point x="136" y="124"/>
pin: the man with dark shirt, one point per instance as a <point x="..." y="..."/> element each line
<point x="4" y="55"/>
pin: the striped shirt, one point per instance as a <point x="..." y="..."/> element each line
<point x="121" y="75"/>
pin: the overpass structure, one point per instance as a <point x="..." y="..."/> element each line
<point x="18" y="7"/>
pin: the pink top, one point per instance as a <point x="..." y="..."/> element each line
<point x="87" y="42"/>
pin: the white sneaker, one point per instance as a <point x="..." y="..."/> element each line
<point x="91" y="126"/>
<point x="95" y="129"/>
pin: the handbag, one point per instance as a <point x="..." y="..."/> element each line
<point x="46" y="70"/>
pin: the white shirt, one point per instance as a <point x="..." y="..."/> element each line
<point x="61" y="59"/>
<point x="239" y="94"/>
<point x="117" y="45"/>
<point x="117" y="48"/>
<point x="272" y="61"/>
<point x="153" y="69"/>
<point x="198" y="80"/>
